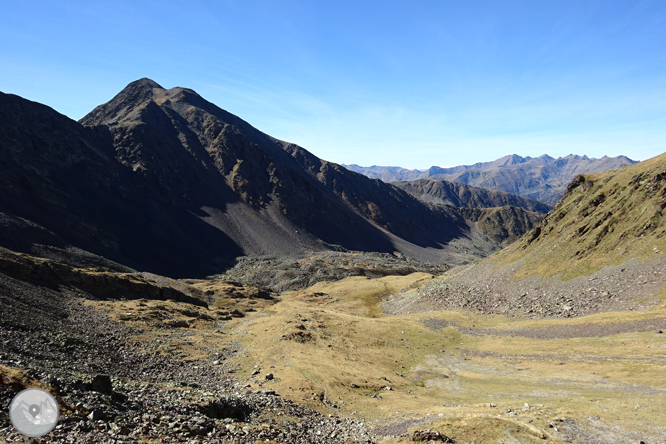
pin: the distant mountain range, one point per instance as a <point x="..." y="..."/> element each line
<point x="162" y="180"/>
<point x="542" y="178"/>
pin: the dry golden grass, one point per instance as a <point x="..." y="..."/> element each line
<point x="334" y="349"/>
<point x="330" y="348"/>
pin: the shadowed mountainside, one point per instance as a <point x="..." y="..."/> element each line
<point x="503" y="224"/>
<point x="542" y="178"/>
<point x="164" y="181"/>
<point x="301" y="201"/>
<point x="503" y="216"/>
<point x="65" y="194"/>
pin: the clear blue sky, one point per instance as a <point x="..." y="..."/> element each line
<point x="408" y="83"/>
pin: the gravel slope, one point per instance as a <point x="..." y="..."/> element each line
<point x="50" y="338"/>
<point x="487" y="290"/>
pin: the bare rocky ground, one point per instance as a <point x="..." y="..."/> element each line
<point x="484" y="289"/>
<point x="296" y="274"/>
<point x="113" y="389"/>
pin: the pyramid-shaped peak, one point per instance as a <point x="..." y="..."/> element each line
<point x="131" y="97"/>
<point x="512" y="159"/>
<point x="139" y="89"/>
<point x="144" y="83"/>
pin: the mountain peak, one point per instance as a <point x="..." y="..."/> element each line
<point x="133" y="95"/>
<point x="511" y="159"/>
<point x="144" y="83"/>
<point x="139" y="90"/>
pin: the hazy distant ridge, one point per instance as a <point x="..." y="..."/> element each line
<point x="542" y="178"/>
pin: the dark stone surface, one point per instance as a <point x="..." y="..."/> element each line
<point x="102" y="384"/>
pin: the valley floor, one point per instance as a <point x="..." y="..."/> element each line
<point x="327" y="364"/>
<point x="475" y="378"/>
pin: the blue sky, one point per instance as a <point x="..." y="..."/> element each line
<point x="408" y="83"/>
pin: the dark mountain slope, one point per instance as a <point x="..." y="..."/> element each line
<point x="385" y="205"/>
<point x="62" y="187"/>
<point x="270" y="176"/>
<point x="466" y="196"/>
<point x="164" y="181"/>
<point x="504" y="224"/>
